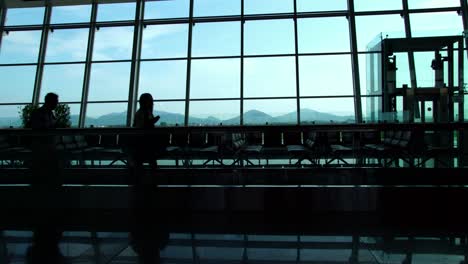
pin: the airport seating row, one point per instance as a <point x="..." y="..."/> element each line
<point x="277" y="147"/>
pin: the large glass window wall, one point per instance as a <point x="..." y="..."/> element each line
<point x="209" y="64"/>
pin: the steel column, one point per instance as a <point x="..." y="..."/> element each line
<point x="189" y="65"/>
<point x="135" y="67"/>
<point x="296" y="52"/>
<point x="3" y="12"/>
<point x="42" y="53"/>
<point x="355" y="62"/>
<point x="242" y="66"/>
<point x="87" y="70"/>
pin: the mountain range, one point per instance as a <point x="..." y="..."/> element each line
<point x="252" y="117"/>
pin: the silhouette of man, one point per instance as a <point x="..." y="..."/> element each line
<point x="145" y="146"/>
<point x="46" y="162"/>
<point x="43" y="117"/>
<point x="46" y="182"/>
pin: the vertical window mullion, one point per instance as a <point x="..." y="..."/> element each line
<point x="89" y="58"/>
<point x="412" y="65"/>
<point x="242" y="66"/>
<point x="3" y="12"/>
<point x="296" y="52"/>
<point x="464" y="7"/>
<point x="136" y="56"/>
<point x="355" y="62"/>
<point x="42" y="52"/>
<point x="189" y="64"/>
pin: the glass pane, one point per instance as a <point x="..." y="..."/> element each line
<point x="109" y="81"/>
<point x="369" y="71"/>
<point x="74" y="113"/>
<point x="10" y="116"/>
<point x="269" y="254"/>
<point x="115" y="12"/>
<point x="64" y="80"/>
<point x="24" y="16"/>
<point x="414" y="4"/>
<point x="17" y="84"/>
<point x="269" y="37"/>
<point x="329" y="5"/>
<point x="326" y="110"/>
<point x="371" y="29"/>
<point x="215" y="78"/>
<point x="279" y="111"/>
<point x="214" y="113"/>
<point x="326" y="255"/>
<point x="167" y="9"/>
<point x="71" y="14"/>
<point x="216" y="8"/>
<point x="20" y="47"/>
<point x="372" y="109"/>
<point x="268" y="6"/>
<point x="67" y="45"/>
<point x="314" y="35"/>
<point x="216" y="39"/>
<point x="171" y="113"/>
<point x="106" y="114"/>
<point x="163" y="79"/>
<point x="269" y="77"/>
<point x="424" y="73"/>
<point x="165" y="41"/>
<point x="113" y="43"/>
<point x="377" y="5"/>
<point x="436" y="24"/>
<point x="325" y="75"/>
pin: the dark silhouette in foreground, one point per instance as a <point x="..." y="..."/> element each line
<point x="147" y="234"/>
<point x="47" y="168"/>
<point x="145" y="147"/>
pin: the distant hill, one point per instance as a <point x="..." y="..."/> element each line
<point x="251" y="117"/>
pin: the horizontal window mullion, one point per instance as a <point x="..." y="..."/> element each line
<point x="111" y="61"/>
<point x="213" y="99"/>
<point x="326" y="96"/>
<point x="18" y="64"/>
<point x="64" y="62"/>
<point x="107" y="102"/>
<point x="324" y="54"/>
<point x="270" y="98"/>
<point x="164" y="59"/>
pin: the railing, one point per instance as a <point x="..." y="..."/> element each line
<point x="340" y="145"/>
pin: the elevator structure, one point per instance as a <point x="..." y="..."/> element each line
<point x="419" y="80"/>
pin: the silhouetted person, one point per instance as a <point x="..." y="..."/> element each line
<point x="46" y="163"/>
<point x="47" y="180"/>
<point x="145" y="146"/>
<point x="147" y="232"/>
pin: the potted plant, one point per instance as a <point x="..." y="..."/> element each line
<point x="61" y="113"/>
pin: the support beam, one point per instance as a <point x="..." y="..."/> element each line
<point x="408" y="33"/>
<point x="136" y="55"/>
<point x="464" y="9"/>
<point x="242" y="65"/>
<point x="189" y="64"/>
<point x="42" y="53"/>
<point x="296" y="52"/>
<point x="3" y="12"/>
<point x="88" y="65"/>
<point x="355" y="62"/>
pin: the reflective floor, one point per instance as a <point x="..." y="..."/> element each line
<point x="160" y="247"/>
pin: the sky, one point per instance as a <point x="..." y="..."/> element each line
<point x="212" y="78"/>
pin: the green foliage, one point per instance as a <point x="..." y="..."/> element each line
<point x="61" y="112"/>
<point x="25" y="114"/>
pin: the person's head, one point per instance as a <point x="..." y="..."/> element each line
<point x="51" y="101"/>
<point x="146" y="101"/>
